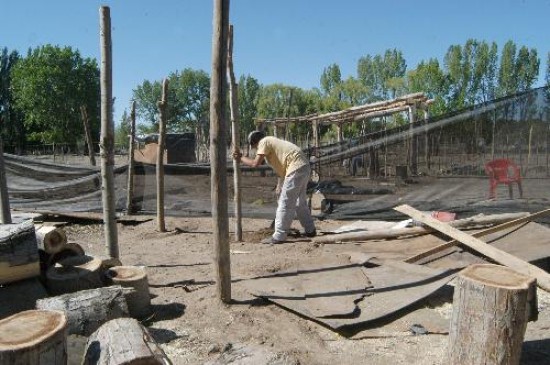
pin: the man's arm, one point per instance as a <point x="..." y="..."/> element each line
<point x="257" y="161"/>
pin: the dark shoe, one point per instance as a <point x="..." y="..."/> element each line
<point x="311" y="234"/>
<point x="270" y="241"/>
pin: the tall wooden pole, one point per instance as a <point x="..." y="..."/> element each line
<point x="412" y="145"/>
<point x="88" y="134"/>
<point x="161" y="225"/>
<point x="234" y="107"/>
<point x="107" y="135"/>
<point x="130" y="187"/>
<point x="5" y="214"/>
<point x="218" y="145"/>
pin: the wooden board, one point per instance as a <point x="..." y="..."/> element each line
<point x="543" y="278"/>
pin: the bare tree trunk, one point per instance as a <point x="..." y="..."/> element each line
<point x="234" y="106"/>
<point x="130" y="188"/>
<point x="218" y="145"/>
<point x="88" y="135"/>
<point x="491" y="307"/>
<point x="107" y="135"/>
<point x="5" y="213"/>
<point x="161" y="225"/>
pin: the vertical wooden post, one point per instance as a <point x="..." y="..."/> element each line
<point x="88" y="134"/>
<point x="234" y="107"/>
<point x="131" y="162"/>
<point x="427" y="139"/>
<point x="107" y="135"/>
<point x="413" y="164"/>
<point x="161" y="225"/>
<point x="5" y="214"/>
<point x="491" y="307"/>
<point x="218" y="145"/>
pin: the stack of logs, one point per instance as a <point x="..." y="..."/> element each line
<point x="91" y="298"/>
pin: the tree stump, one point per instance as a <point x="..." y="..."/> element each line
<point x="139" y="299"/>
<point x="36" y="337"/>
<point x="490" y="313"/>
<point x="73" y="274"/>
<point x="50" y="239"/>
<point x="66" y="250"/>
<point x="19" y="257"/>
<point x="87" y="310"/>
<point x="123" y="341"/>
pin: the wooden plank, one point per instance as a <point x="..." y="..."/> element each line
<point x="482" y="233"/>
<point x="504" y="258"/>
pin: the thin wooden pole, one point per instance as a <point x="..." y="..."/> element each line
<point x="131" y="162"/>
<point x="5" y="213"/>
<point x="88" y="134"/>
<point x="161" y="225"/>
<point x="107" y="135"/>
<point x="234" y="107"/>
<point x="218" y="152"/>
<point x="412" y="140"/>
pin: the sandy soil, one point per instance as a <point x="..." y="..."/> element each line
<point x="194" y="327"/>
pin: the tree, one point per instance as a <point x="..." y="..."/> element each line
<point x="249" y="92"/>
<point x="382" y="75"/>
<point x="188" y="100"/>
<point x="429" y="78"/>
<point x="507" y="76"/>
<point x="122" y="131"/>
<point x="49" y="86"/>
<point x="13" y="129"/>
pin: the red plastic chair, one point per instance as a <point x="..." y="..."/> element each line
<point x="503" y="171"/>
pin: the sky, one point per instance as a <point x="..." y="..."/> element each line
<point x="283" y="41"/>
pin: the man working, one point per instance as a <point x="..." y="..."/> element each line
<point x="292" y="168"/>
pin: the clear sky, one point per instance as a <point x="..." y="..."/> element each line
<point x="285" y="41"/>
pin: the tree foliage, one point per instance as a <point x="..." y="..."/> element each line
<point x="12" y="129"/>
<point x="49" y="86"/>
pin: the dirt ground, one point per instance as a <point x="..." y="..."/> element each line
<point x="194" y="327"/>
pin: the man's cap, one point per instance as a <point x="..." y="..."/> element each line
<point x="254" y="137"/>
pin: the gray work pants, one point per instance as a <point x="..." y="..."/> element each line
<point x="293" y="202"/>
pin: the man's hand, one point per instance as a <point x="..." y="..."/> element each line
<point x="237" y="155"/>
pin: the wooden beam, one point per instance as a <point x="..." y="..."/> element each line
<point x="88" y="134"/>
<point x="107" y="142"/>
<point x="482" y="233"/>
<point x="131" y="162"/>
<point x="218" y="148"/>
<point x="234" y="109"/>
<point x="504" y="258"/>
<point x="162" y="105"/>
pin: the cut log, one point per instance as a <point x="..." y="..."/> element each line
<point x="467" y="223"/>
<point x="19" y="257"/>
<point x="123" y="341"/>
<point x="504" y="258"/>
<point x="490" y="311"/>
<point x="134" y="277"/>
<point x="73" y="274"/>
<point x="35" y="337"/>
<point x="87" y="310"/>
<point x="50" y="239"/>
<point x="67" y="250"/>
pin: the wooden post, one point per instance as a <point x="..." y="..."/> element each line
<point x="426" y="139"/>
<point x="490" y="313"/>
<point x="413" y="164"/>
<point x="218" y="145"/>
<point x="161" y="225"/>
<point x="5" y="213"/>
<point x="88" y="134"/>
<point x="234" y="107"/>
<point x="34" y="337"/>
<point x="131" y="162"/>
<point x="107" y="135"/>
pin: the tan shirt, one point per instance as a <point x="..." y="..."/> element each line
<point x="284" y="157"/>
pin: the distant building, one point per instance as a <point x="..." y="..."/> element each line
<point x="179" y="148"/>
